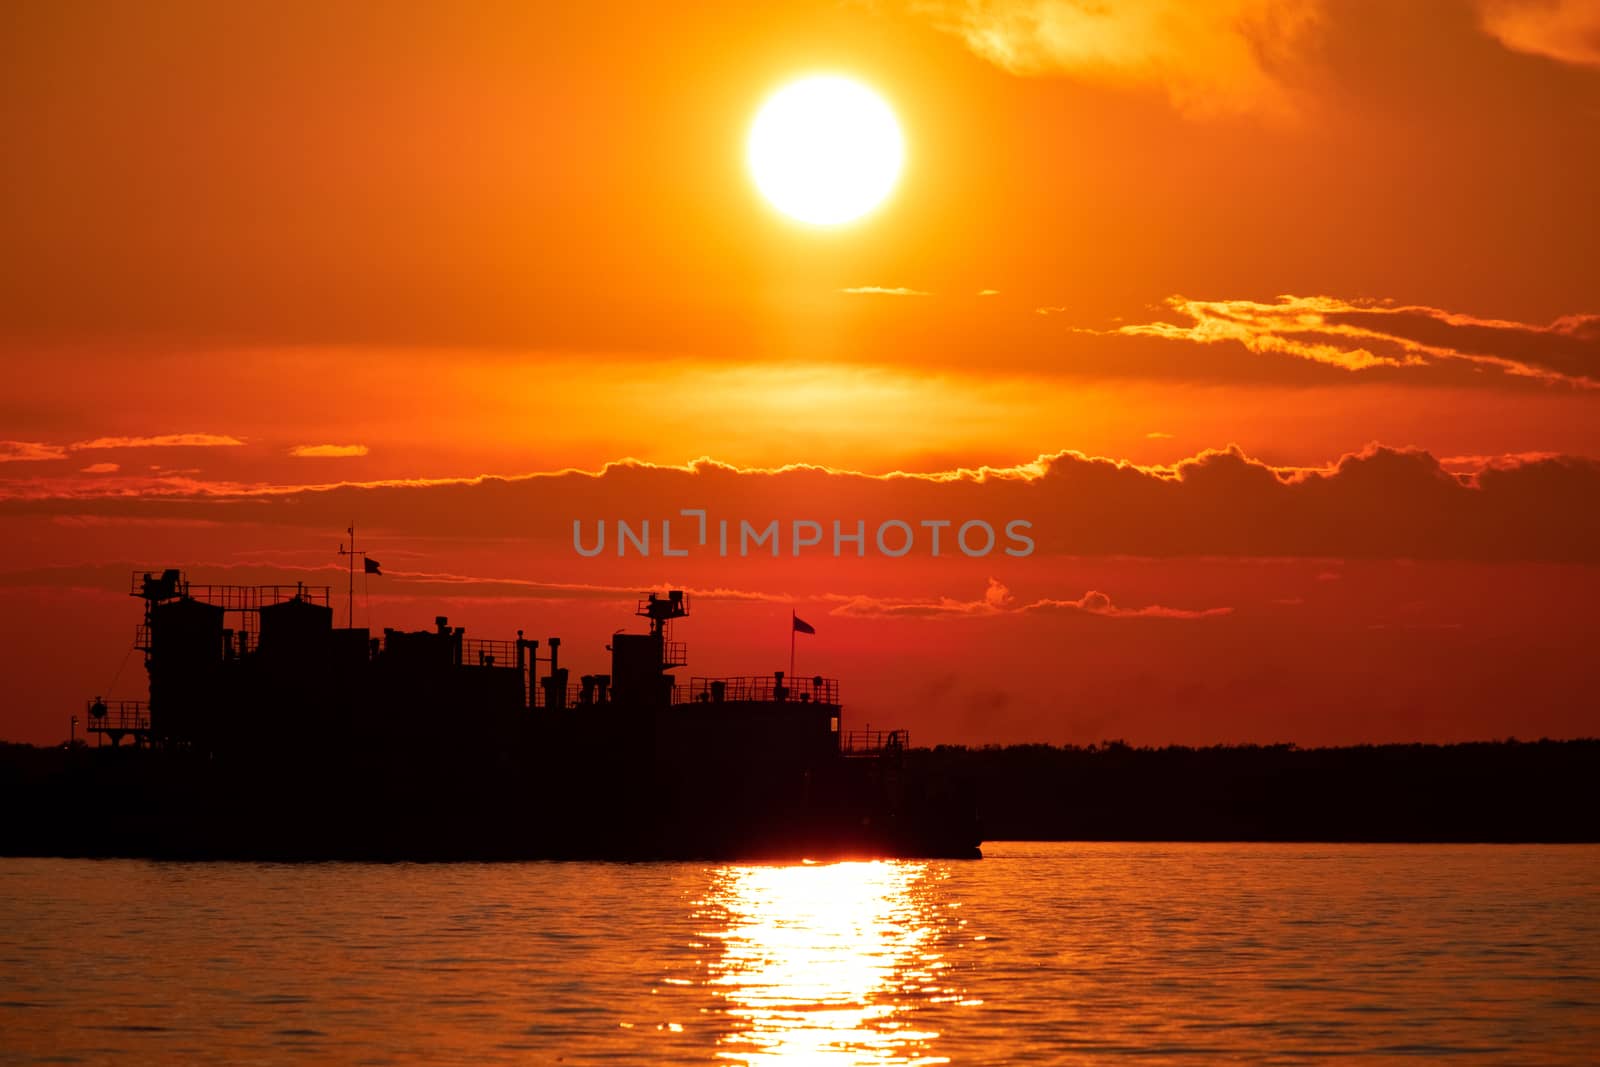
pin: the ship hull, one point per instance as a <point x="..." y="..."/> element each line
<point x="175" y="805"/>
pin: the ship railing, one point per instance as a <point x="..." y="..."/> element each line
<point x="119" y="715"/>
<point x="874" y="742"/>
<point x="486" y="652"/>
<point x="256" y="597"/>
<point x="226" y="597"/>
<point x="760" y="688"/>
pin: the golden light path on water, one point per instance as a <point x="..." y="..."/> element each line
<point x="1156" y="954"/>
<point x="825" y="964"/>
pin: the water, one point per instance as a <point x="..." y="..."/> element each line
<point x="1059" y="953"/>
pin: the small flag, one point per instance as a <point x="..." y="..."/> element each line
<point x="371" y="565"/>
<point x="803" y="627"/>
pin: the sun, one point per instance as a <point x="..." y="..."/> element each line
<point x="825" y="150"/>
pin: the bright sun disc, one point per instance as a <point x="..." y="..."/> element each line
<point x="825" y="150"/>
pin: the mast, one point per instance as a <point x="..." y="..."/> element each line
<point x="350" y="590"/>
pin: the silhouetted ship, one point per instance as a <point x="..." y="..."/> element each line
<point x="270" y="733"/>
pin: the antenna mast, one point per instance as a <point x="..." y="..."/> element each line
<point x="350" y="594"/>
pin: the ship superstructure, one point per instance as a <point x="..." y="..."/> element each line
<point x="488" y="747"/>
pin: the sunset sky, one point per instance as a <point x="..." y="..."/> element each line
<point x="1278" y="321"/>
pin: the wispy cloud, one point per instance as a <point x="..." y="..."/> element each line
<point x="1564" y="30"/>
<point x="1210" y="57"/>
<point x="29" y="451"/>
<point x="879" y="290"/>
<point x="1095" y="602"/>
<point x="1359" y="335"/>
<point x="328" y="451"/>
<point x="988" y="292"/>
<point x="997" y="599"/>
<point x="1158" y="435"/>
<point x="1475" y="464"/>
<point x="166" y="440"/>
<point x="1050" y="309"/>
<point x="102" y="468"/>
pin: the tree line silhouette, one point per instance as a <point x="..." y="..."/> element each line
<point x="1490" y="791"/>
<point x="1500" y="791"/>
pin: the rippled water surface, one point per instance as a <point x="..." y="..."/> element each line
<point x="1060" y="953"/>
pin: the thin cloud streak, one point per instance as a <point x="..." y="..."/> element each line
<point x="524" y="588"/>
<point x="1360" y="335"/>
<point x="29" y="452"/>
<point x="328" y="451"/>
<point x="999" y="600"/>
<point x="168" y="440"/>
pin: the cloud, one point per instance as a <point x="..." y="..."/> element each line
<point x="988" y="292"/>
<point x="169" y="440"/>
<point x="1564" y="30"/>
<point x="29" y="451"/>
<point x="1360" y="335"/>
<point x="998" y="600"/>
<point x="1050" y="309"/>
<point x="331" y="451"/>
<point x="878" y="290"/>
<point x="1158" y="435"/>
<point x="1375" y="503"/>
<point x="427" y="583"/>
<point x="102" y="468"/>
<point x="1095" y="602"/>
<point x="1210" y="57"/>
<point x="1472" y="464"/>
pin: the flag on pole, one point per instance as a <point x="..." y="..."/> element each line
<point x="371" y="566"/>
<point x="803" y="627"/>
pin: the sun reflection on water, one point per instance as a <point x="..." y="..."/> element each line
<point x="826" y="964"/>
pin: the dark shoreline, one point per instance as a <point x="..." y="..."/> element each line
<point x="1498" y="792"/>
<point x="1493" y="791"/>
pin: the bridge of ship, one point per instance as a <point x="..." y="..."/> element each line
<point x="117" y="719"/>
<point x="758" y="688"/>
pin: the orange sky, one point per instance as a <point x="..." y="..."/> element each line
<point x="254" y="251"/>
